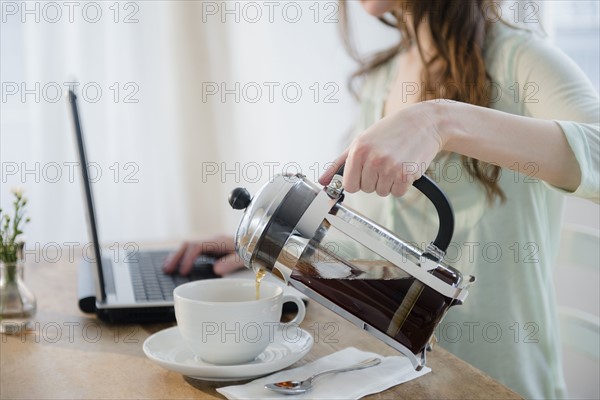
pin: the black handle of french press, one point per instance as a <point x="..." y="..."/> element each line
<point x="442" y="205"/>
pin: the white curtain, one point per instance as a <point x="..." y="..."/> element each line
<point x="168" y="147"/>
<point x="168" y="133"/>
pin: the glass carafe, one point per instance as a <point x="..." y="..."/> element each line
<point x="303" y="233"/>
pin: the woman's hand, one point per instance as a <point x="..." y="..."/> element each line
<point x="391" y="154"/>
<point x="395" y="151"/>
<point x="182" y="260"/>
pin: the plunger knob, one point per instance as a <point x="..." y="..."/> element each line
<point x="239" y="198"/>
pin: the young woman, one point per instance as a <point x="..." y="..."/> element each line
<point x="506" y="124"/>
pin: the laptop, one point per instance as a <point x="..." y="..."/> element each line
<point x="133" y="289"/>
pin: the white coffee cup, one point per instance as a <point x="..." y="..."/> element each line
<point x="222" y="322"/>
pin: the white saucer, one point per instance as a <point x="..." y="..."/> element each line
<point x="167" y="349"/>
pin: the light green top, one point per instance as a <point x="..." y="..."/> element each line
<point x="508" y="326"/>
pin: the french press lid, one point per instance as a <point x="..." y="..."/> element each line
<point x="266" y="225"/>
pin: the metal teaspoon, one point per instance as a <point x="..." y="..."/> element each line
<point x="297" y="387"/>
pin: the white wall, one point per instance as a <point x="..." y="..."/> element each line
<point x="172" y="134"/>
<point x="175" y="130"/>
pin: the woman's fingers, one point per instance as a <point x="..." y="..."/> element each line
<point x="368" y="179"/>
<point x="187" y="262"/>
<point x="171" y="263"/>
<point x="182" y="260"/>
<point x="330" y="172"/>
<point x="384" y="185"/>
<point x="353" y="171"/>
<point x="370" y="173"/>
<point x="401" y="184"/>
<point x="228" y="264"/>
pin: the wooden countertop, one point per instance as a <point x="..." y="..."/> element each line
<point x="71" y="355"/>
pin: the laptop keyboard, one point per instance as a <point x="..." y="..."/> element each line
<point x="151" y="284"/>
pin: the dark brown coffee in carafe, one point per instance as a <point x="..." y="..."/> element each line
<point x="404" y="309"/>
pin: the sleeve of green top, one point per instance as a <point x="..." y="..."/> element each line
<point x="554" y="88"/>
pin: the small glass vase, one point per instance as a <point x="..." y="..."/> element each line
<point x="17" y="302"/>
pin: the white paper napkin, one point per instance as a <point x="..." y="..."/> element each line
<point x="346" y="385"/>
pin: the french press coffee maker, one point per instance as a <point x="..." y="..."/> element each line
<point x="303" y="233"/>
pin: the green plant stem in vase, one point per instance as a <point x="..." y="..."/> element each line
<point x="17" y="303"/>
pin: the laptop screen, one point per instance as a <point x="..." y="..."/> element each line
<point x="89" y="200"/>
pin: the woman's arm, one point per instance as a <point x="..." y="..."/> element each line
<point x="559" y="133"/>
<point x="397" y="150"/>
<point x="510" y="141"/>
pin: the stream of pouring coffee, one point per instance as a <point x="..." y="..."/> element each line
<point x="260" y="274"/>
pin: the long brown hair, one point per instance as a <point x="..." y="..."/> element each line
<point x="457" y="69"/>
